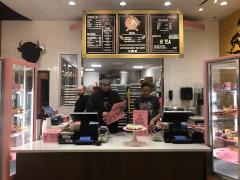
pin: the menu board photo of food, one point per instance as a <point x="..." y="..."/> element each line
<point x="100" y="33"/>
<point x="132" y="33"/>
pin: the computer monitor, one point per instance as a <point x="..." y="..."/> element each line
<point x="85" y="118"/>
<point x="176" y="117"/>
<point x="48" y="110"/>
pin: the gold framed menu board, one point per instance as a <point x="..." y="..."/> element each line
<point x="132" y="34"/>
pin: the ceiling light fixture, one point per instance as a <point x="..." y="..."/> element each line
<point x="167" y="3"/>
<point x="89" y="69"/>
<point x="123" y="3"/>
<point x="72" y="3"/>
<point x="137" y="67"/>
<point x="200" y="9"/>
<point x="223" y="3"/>
<point x="96" y="65"/>
<point x="215" y="1"/>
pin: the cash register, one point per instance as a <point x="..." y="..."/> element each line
<point x="177" y="132"/>
<point x="88" y="133"/>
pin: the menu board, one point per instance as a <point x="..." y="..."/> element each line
<point x="164" y="34"/>
<point x="132" y="31"/>
<point x="100" y="33"/>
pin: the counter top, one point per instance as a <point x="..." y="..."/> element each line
<point x="117" y="143"/>
<point x="196" y="118"/>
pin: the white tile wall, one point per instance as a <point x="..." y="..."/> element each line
<point x="198" y="46"/>
<point x="56" y="36"/>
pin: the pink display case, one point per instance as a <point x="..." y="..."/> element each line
<point x="221" y="115"/>
<point x="18" y="110"/>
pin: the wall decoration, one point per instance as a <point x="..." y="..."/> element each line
<point x="30" y="51"/>
<point x="229" y="34"/>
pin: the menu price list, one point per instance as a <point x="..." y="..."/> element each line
<point x="164" y="34"/>
<point x="132" y="34"/>
<point x="100" y="33"/>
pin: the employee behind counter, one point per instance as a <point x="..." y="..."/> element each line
<point x="102" y="101"/>
<point x="149" y="103"/>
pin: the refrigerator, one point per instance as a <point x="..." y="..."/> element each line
<point x="18" y="110"/>
<point x="221" y="114"/>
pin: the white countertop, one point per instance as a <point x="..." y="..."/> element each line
<point x="117" y="143"/>
<point x="196" y="118"/>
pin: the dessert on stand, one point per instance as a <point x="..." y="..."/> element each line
<point x="134" y="128"/>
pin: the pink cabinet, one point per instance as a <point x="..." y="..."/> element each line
<point x="18" y="110"/>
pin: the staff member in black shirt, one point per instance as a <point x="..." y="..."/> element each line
<point x="149" y="103"/>
<point x="102" y="101"/>
<point x="81" y="102"/>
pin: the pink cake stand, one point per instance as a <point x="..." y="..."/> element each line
<point x="134" y="141"/>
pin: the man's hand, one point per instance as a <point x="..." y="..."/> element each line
<point x="105" y="114"/>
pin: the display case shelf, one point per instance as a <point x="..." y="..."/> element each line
<point x="226" y="154"/>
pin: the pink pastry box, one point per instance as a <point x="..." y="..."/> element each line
<point x="65" y="119"/>
<point x="51" y="135"/>
<point x="141" y="117"/>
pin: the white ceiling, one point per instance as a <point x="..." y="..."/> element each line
<point x="59" y="10"/>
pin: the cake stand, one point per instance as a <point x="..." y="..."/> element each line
<point x="134" y="141"/>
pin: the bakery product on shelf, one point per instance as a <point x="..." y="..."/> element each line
<point x="134" y="126"/>
<point x="218" y="133"/>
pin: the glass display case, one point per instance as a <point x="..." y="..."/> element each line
<point x="221" y="115"/>
<point x="19" y="109"/>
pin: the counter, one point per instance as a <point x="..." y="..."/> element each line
<point x="116" y="159"/>
<point x="195" y="119"/>
<point x="117" y="143"/>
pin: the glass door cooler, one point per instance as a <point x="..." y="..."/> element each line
<point x="18" y="97"/>
<point x="221" y="105"/>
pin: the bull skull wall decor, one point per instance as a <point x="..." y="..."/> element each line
<point x="30" y="51"/>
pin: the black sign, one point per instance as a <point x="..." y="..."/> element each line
<point x="164" y="34"/>
<point x="132" y="31"/>
<point x="100" y="33"/>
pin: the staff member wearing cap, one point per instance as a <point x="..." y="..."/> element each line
<point x="102" y="101"/>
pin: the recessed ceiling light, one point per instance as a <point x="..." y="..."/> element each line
<point x="123" y="3"/>
<point x="137" y="67"/>
<point x="223" y="3"/>
<point x="200" y="9"/>
<point x="167" y="3"/>
<point x="96" y="65"/>
<point x="89" y="69"/>
<point x="72" y="3"/>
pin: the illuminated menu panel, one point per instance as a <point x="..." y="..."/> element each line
<point x="100" y="33"/>
<point x="164" y="34"/>
<point x="132" y="33"/>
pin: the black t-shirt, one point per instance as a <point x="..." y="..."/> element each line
<point x="81" y="103"/>
<point x="151" y="104"/>
<point x="100" y="102"/>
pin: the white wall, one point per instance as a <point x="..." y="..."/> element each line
<point x="181" y="72"/>
<point x="56" y="36"/>
<point x="154" y="72"/>
<point x="89" y="78"/>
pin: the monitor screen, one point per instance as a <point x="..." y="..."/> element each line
<point x="172" y="116"/>
<point x="48" y="110"/>
<point x="84" y="116"/>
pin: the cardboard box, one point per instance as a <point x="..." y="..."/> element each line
<point x="51" y="135"/>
